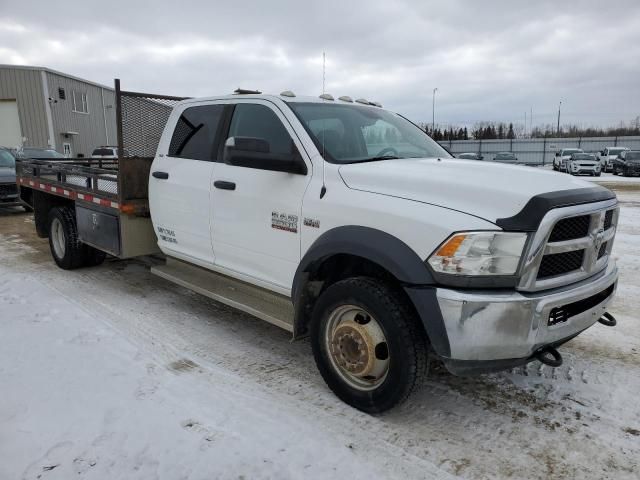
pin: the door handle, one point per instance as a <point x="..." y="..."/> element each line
<point x="223" y="185"/>
<point x="160" y="175"/>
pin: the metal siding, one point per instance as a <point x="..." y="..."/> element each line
<point x="25" y="86"/>
<point x="530" y="150"/>
<point x="90" y="127"/>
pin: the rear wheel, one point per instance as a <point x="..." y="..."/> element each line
<point x="368" y="344"/>
<point x="66" y="249"/>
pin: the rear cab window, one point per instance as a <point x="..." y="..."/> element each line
<point x="194" y="136"/>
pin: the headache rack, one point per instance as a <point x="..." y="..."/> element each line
<point x="113" y="191"/>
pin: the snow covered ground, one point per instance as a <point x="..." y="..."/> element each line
<point x="112" y="373"/>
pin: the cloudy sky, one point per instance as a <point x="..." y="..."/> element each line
<point x="490" y="60"/>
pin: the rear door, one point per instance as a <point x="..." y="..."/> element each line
<point x="257" y="212"/>
<point x="180" y="183"/>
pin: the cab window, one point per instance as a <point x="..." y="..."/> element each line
<point x="195" y="133"/>
<point x="259" y="121"/>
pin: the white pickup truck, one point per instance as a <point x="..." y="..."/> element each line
<point x="344" y="222"/>
<point x="607" y="156"/>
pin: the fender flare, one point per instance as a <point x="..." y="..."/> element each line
<point x="385" y="250"/>
<point x="377" y="246"/>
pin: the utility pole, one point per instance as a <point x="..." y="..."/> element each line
<point x="433" y="111"/>
<point x="559" y="106"/>
<point x="525" y="125"/>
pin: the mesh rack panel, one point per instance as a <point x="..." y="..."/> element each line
<point x="142" y="118"/>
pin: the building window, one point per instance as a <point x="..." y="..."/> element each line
<point x="80" y="102"/>
<point x="61" y="94"/>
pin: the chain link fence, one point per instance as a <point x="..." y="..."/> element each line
<point x="538" y="151"/>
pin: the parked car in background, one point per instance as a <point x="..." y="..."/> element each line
<point x="562" y="157"/>
<point x="627" y="163"/>
<point x="583" y="164"/>
<point x="8" y="187"/>
<point x="36" y="153"/>
<point x="608" y="155"/>
<point x="470" y="156"/>
<point x="505" y="157"/>
<point x="106" y="152"/>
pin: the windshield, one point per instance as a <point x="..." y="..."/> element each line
<point x="349" y="133"/>
<point x="616" y="151"/>
<point x="632" y="156"/>
<point x="6" y="159"/>
<point x="569" y="151"/>
<point x="583" y="156"/>
<point x="41" y="153"/>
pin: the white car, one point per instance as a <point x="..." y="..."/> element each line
<point x="106" y="152"/>
<point x="608" y="155"/>
<point x="583" y="164"/>
<point x="346" y="223"/>
<point x="562" y="158"/>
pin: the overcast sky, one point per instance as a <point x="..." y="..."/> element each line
<point x="490" y="60"/>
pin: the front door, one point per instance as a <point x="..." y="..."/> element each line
<point x="180" y="185"/>
<point x="257" y="212"/>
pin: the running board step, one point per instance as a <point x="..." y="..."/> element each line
<point x="269" y="306"/>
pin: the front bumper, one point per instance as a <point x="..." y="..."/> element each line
<point x="494" y="330"/>
<point x="9" y="194"/>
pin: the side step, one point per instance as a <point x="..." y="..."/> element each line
<point x="269" y="306"/>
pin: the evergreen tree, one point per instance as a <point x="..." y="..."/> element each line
<point x="511" y="134"/>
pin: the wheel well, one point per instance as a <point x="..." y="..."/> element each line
<point x="323" y="273"/>
<point x="42" y="204"/>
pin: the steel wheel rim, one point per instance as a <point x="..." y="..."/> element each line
<point x="57" y="238"/>
<point x="357" y="347"/>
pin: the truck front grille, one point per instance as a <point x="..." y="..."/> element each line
<point x="570" y="228"/>
<point x="573" y="243"/>
<point x="560" y="263"/>
<point x="7" y="189"/>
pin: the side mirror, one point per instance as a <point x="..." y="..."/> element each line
<point x="253" y="152"/>
<point x="557" y="154"/>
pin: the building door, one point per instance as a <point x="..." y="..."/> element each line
<point x="10" y="132"/>
<point x="66" y="150"/>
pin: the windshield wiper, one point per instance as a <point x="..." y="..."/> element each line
<point x="375" y="159"/>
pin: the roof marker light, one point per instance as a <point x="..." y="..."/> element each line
<point x="326" y="96"/>
<point x="244" y="91"/>
<point x="363" y="101"/>
<point x="345" y="98"/>
<point x="287" y="93"/>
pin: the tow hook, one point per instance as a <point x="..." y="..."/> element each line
<point x="549" y="356"/>
<point x="608" y="320"/>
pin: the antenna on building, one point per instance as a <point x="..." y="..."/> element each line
<point x="323" y="190"/>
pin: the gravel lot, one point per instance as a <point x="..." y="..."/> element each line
<point x="111" y="372"/>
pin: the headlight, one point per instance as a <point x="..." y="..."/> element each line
<point x="479" y="254"/>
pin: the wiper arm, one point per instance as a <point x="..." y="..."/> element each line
<point x="375" y="159"/>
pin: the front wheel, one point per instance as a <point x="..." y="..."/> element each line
<point x="368" y="343"/>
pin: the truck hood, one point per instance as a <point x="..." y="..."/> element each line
<point x="7" y="175"/>
<point x="483" y="189"/>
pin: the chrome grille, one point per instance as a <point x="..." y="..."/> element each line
<point x="571" y="228"/>
<point x="571" y="244"/>
<point x="560" y="263"/>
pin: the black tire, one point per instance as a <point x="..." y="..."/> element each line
<point x="406" y="342"/>
<point x="66" y="234"/>
<point x="626" y="173"/>
<point x="27" y="208"/>
<point x="93" y="257"/>
<point x="597" y="174"/>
